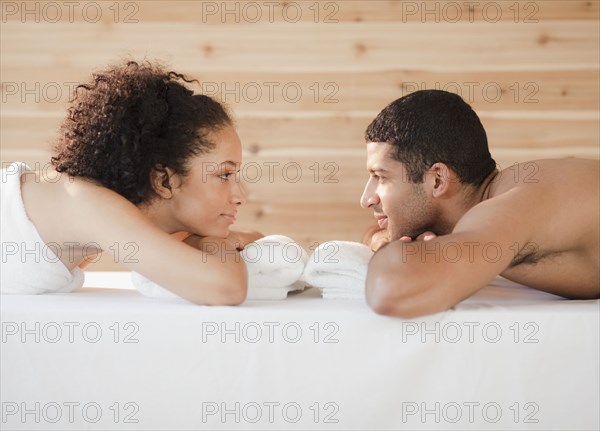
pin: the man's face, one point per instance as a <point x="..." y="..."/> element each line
<point x="401" y="207"/>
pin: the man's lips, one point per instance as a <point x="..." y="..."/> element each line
<point x="382" y="220"/>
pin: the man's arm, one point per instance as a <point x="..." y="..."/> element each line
<point x="409" y="279"/>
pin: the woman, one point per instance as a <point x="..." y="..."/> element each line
<point x="140" y="160"/>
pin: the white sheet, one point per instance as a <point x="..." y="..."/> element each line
<point x="324" y="361"/>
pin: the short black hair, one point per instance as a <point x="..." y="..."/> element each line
<point x="132" y="119"/>
<point x="431" y="126"/>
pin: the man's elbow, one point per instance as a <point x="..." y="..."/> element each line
<point x="390" y="293"/>
<point x="384" y="294"/>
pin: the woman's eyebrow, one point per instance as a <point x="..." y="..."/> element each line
<point x="228" y="162"/>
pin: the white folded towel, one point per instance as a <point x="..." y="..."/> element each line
<point x="274" y="262"/>
<point x="339" y="269"/>
<point x="275" y="265"/>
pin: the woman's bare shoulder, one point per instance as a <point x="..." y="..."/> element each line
<point x="66" y="208"/>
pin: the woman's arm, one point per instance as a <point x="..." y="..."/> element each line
<point x="212" y="274"/>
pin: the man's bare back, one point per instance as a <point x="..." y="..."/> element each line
<point x="563" y="255"/>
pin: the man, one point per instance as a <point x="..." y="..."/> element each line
<point x="449" y="221"/>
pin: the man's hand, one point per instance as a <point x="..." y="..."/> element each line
<point x="425" y="236"/>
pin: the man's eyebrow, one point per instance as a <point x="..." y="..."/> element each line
<point x="377" y="169"/>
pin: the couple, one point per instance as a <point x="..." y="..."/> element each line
<point x="133" y="153"/>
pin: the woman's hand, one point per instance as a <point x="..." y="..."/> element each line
<point x="237" y="240"/>
<point x="242" y="239"/>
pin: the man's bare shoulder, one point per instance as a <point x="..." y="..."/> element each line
<point x="569" y="174"/>
<point x="551" y="203"/>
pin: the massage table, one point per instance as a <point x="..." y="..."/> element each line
<point x="106" y="357"/>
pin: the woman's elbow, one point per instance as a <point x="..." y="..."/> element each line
<point x="236" y="294"/>
<point x="221" y="296"/>
<point x="233" y="290"/>
<point x="224" y="293"/>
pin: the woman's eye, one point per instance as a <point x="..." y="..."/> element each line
<point x="226" y="176"/>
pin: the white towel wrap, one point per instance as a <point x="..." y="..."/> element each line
<point x="28" y="266"/>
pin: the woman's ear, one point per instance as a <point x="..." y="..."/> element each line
<point x="440" y="180"/>
<point x="163" y="181"/>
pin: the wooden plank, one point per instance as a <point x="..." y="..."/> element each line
<point x="319" y="179"/>
<point x="501" y="46"/>
<point x="324" y="12"/>
<point x="347" y="132"/>
<point x="296" y="134"/>
<point x="306" y="224"/>
<point x="50" y="90"/>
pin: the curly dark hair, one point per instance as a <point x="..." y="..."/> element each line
<point x="430" y="126"/>
<point x="132" y="119"/>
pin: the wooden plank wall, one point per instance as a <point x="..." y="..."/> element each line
<point x="305" y="78"/>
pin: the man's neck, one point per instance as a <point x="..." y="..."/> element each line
<point x="484" y="191"/>
<point x="472" y="197"/>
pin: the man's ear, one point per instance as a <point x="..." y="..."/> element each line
<point x="163" y="181"/>
<point x="440" y="180"/>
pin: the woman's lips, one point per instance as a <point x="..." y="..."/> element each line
<point x="229" y="217"/>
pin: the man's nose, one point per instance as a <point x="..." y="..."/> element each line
<point x="369" y="197"/>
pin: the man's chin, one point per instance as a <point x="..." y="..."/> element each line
<point x="395" y="235"/>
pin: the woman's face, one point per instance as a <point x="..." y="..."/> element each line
<point x="208" y="198"/>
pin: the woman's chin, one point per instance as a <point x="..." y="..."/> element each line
<point x="216" y="233"/>
<point x="220" y="233"/>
